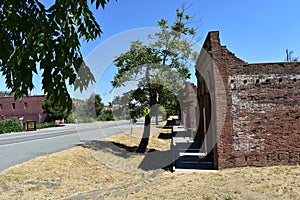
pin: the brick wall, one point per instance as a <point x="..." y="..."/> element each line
<point x="189" y="110"/>
<point x="29" y="108"/>
<point x="260" y="108"/>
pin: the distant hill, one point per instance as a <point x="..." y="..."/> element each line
<point x="5" y="94"/>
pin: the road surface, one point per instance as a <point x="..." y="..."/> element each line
<point x="16" y="148"/>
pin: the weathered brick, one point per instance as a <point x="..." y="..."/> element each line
<point x="262" y="105"/>
<point x="189" y="115"/>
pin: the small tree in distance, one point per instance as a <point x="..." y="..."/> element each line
<point x="91" y="109"/>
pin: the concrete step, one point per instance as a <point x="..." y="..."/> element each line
<point x="192" y="154"/>
<point x="192" y="163"/>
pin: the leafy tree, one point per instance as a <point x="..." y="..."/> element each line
<point x="33" y="37"/>
<point x="98" y="104"/>
<point x="157" y="68"/>
<point x="169" y="101"/>
<point x="90" y="108"/>
<point x="120" y="106"/>
<point x="106" y="115"/>
<point x="54" y="110"/>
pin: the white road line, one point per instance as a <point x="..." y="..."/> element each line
<point x="51" y="132"/>
<point x="28" y="141"/>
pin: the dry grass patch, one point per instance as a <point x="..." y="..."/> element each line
<point x="132" y="138"/>
<point x="101" y="169"/>
<point x="119" y="151"/>
<point x="98" y="165"/>
<point x="59" y="175"/>
<point x="279" y="182"/>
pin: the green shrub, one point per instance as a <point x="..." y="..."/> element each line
<point x="106" y="115"/>
<point x="10" y="125"/>
<point x="70" y="119"/>
<point x="45" y="125"/>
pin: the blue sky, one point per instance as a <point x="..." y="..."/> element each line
<point x="256" y="30"/>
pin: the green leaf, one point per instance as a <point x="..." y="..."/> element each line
<point x="97" y="4"/>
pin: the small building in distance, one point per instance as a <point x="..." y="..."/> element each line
<point x="249" y="112"/>
<point x="29" y="109"/>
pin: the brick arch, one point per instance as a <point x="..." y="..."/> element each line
<point x="212" y="103"/>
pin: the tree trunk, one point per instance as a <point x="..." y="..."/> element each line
<point x="152" y="101"/>
<point x="146" y="134"/>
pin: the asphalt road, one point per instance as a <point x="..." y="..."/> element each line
<point x="16" y="148"/>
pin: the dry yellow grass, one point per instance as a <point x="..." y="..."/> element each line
<point x="58" y="175"/>
<point x="279" y="182"/>
<point x="103" y="170"/>
<point x="132" y="138"/>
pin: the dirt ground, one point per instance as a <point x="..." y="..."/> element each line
<point x="110" y="169"/>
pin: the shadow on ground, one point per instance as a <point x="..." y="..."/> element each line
<point x="157" y="160"/>
<point x="153" y="159"/>
<point x="109" y="147"/>
<point x="165" y="136"/>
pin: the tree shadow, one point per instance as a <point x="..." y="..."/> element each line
<point x="153" y="159"/>
<point x="110" y="147"/>
<point x="60" y="125"/>
<point x="157" y="160"/>
<point x="165" y="136"/>
<point x="132" y="149"/>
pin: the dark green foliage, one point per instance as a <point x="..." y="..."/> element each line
<point x="97" y="103"/>
<point x="120" y="106"/>
<point x="55" y="111"/>
<point x="90" y="110"/>
<point x="32" y="36"/>
<point x="106" y="115"/>
<point x="169" y="100"/>
<point x="45" y="125"/>
<point x="10" y="125"/>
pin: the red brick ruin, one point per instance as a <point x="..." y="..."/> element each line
<point x="250" y="113"/>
